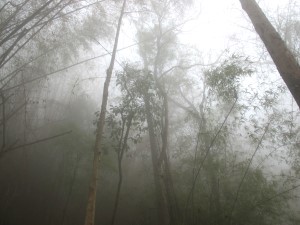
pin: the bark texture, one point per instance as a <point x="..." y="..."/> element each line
<point x="91" y="204"/>
<point x="283" y="58"/>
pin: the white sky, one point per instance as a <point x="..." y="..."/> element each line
<point x="222" y="23"/>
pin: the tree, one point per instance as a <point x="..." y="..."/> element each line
<point x="52" y="175"/>
<point x="91" y="205"/>
<point x="141" y="86"/>
<point x="287" y="23"/>
<point x="156" y="54"/>
<point x="222" y="194"/>
<point x="48" y="34"/>
<point x="123" y="119"/>
<point x="220" y="86"/>
<point x="283" y="58"/>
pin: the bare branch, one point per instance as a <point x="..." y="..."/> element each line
<point x="195" y="111"/>
<point x="275" y="196"/>
<point x="34" y="142"/>
<point x="186" y="108"/>
<point x="27" y="20"/>
<point x="26" y="31"/>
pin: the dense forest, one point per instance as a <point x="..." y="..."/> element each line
<point x="149" y="112"/>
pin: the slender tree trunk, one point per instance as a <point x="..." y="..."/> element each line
<point x="70" y="191"/>
<point x="91" y="205"/>
<point x="117" y="198"/>
<point x="119" y="156"/>
<point x="172" y="199"/>
<point x="216" y="213"/>
<point x="122" y="149"/>
<point x="283" y="58"/>
<point x="161" y="198"/>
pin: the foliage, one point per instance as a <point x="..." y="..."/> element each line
<point x="199" y="97"/>
<point x="253" y="204"/>
<point x="225" y="79"/>
<point x="136" y="84"/>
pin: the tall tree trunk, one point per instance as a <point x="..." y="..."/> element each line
<point x="164" y="160"/>
<point x="91" y="205"/>
<point x="161" y="197"/>
<point x="283" y="58"/>
<point x="70" y="191"/>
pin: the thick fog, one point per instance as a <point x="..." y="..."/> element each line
<point x="156" y="112"/>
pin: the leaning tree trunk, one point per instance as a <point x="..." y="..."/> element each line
<point x="283" y="58"/>
<point x="91" y="205"/>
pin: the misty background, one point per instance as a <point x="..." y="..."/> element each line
<point x="199" y="128"/>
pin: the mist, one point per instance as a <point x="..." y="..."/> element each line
<point x="157" y="112"/>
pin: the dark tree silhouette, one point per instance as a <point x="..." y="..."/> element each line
<point x="283" y="58"/>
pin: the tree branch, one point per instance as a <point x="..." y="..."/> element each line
<point x="245" y="174"/>
<point x="206" y="153"/>
<point x="34" y="142"/>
